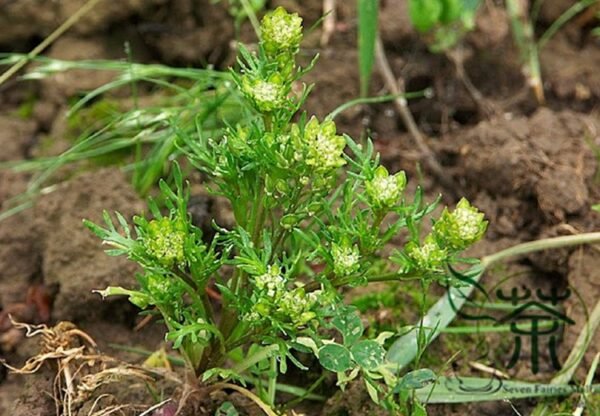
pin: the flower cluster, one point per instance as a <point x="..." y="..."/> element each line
<point x="460" y="228"/>
<point x="427" y="256"/>
<point x="267" y="95"/>
<point x="271" y="282"/>
<point x="281" y="32"/>
<point x="297" y="305"/>
<point x="384" y="190"/>
<point x="274" y="301"/>
<point x="345" y="259"/>
<point x="452" y="233"/>
<point x="325" y="148"/>
<point x="164" y="241"/>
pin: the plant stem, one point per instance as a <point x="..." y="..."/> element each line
<point x="539" y="245"/>
<point x="265" y="408"/>
<point x="409" y="121"/>
<point x="263" y="354"/>
<point x="272" y="388"/>
<point x="74" y="18"/>
<point x="524" y="38"/>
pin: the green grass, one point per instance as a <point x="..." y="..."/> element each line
<point x="368" y="11"/>
<point x="196" y="101"/>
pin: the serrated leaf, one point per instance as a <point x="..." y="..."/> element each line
<point x="335" y="357"/>
<point x="368" y="354"/>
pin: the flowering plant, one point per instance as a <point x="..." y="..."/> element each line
<point x="304" y="229"/>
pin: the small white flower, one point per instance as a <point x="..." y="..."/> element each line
<point x="345" y="259"/>
<point x="271" y="281"/>
<point x="468" y="222"/>
<point x="384" y="190"/>
<point x="267" y="92"/>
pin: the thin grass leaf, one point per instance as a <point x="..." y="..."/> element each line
<point x="368" y="11"/>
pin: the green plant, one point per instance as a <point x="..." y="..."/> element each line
<point x="529" y="49"/>
<point x="204" y="101"/>
<point x="444" y="22"/>
<point x="314" y="211"/>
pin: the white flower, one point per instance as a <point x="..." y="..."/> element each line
<point x="468" y="221"/>
<point x="325" y="148"/>
<point x="281" y="31"/>
<point x="272" y="282"/>
<point x="384" y="189"/>
<point x="345" y="259"/>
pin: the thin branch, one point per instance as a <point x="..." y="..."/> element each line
<point x="397" y="88"/>
<point x="328" y="21"/>
<point x="49" y="40"/>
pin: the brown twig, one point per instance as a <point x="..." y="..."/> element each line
<point x="49" y="40"/>
<point x="328" y="21"/>
<point x="456" y="56"/>
<point x="397" y="88"/>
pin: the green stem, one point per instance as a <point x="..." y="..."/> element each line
<point x="539" y="245"/>
<point x="272" y="388"/>
<point x="263" y="354"/>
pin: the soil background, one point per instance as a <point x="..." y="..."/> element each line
<point x="532" y="169"/>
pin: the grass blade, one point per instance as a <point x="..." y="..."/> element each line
<point x="368" y="11"/>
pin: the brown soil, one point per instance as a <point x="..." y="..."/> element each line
<point x="532" y="169"/>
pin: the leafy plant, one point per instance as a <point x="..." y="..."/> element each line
<point x="314" y="212"/>
<point x="444" y="22"/>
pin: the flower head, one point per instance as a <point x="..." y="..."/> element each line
<point x="297" y="306"/>
<point x="427" y="256"/>
<point x="164" y="241"/>
<point x="325" y="148"/>
<point x="460" y="228"/>
<point x="384" y="189"/>
<point x="272" y="282"/>
<point x="266" y="95"/>
<point x="281" y="32"/>
<point x="345" y="259"/>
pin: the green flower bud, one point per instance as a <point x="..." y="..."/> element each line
<point x="266" y="95"/>
<point x="345" y="259"/>
<point x="262" y="309"/>
<point x="460" y="228"/>
<point x="164" y="241"/>
<point x="281" y="32"/>
<point x="272" y="282"/>
<point x="384" y="190"/>
<point x="325" y="148"/>
<point x="427" y="256"/>
<point x="296" y="305"/>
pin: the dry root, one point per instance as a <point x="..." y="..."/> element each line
<point x="81" y="369"/>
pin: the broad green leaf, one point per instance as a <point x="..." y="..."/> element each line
<point x="416" y="380"/>
<point x="335" y="357"/>
<point x="368" y="354"/>
<point x="349" y="324"/>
